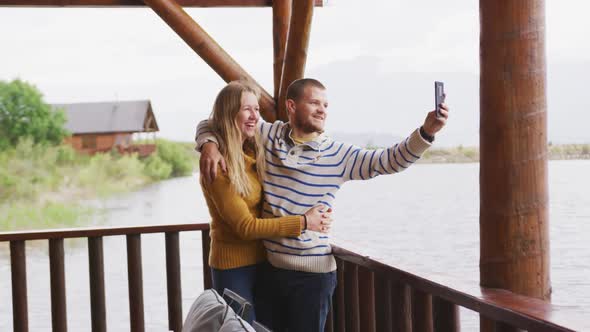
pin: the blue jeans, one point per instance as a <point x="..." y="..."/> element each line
<point x="247" y="282"/>
<point x="303" y="300"/>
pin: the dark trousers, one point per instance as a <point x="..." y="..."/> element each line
<point x="247" y="281"/>
<point x="302" y="300"/>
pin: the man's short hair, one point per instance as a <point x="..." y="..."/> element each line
<point x="295" y="89"/>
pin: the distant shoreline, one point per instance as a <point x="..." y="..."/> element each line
<point x="462" y="154"/>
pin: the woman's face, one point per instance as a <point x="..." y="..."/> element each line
<point x="248" y="115"/>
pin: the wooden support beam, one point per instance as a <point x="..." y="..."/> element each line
<point x="281" y="17"/>
<point x="194" y="35"/>
<point x="514" y="200"/>
<point x="140" y="3"/>
<point x="296" y="51"/>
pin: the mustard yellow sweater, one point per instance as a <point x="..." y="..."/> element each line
<point x="235" y="230"/>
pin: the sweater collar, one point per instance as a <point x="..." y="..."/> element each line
<point x="317" y="143"/>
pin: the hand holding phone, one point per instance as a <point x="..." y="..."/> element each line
<point x="439" y="96"/>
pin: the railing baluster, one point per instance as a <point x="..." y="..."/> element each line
<point x="351" y="295"/>
<point x="134" y="271"/>
<point x="366" y="299"/>
<point x="496" y="326"/>
<point x="421" y="311"/>
<point x="383" y="315"/>
<point x="445" y="315"/>
<point x="18" y="266"/>
<point x="173" y="282"/>
<point x="340" y="299"/>
<point x="401" y="307"/>
<point x="58" y="285"/>
<point x="206" y="245"/>
<point x="96" y="270"/>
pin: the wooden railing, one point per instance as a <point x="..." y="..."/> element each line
<point x="370" y="296"/>
<point x="96" y="272"/>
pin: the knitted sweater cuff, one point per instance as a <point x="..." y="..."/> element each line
<point x="291" y="226"/>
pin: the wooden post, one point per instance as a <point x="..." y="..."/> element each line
<point x="421" y="311"/>
<point x="98" y="313"/>
<point x="57" y="280"/>
<point x="366" y="282"/>
<point x="445" y="315"/>
<point x="339" y="298"/>
<point x="383" y="317"/>
<point x="173" y="281"/>
<point x="194" y="35"/>
<point x="351" y="297"/>
<point x="296" y="51"/>
<point x="135" y="281"/>
<point x="401" y="307"/>
<point x="514" y="223"/>
<point x="18" y="267"/>
<point x="281" y="16"/>
<point x="206" y="248"/>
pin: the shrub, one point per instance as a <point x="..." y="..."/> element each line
<point x="157" y="169"/>
<point x="176" y="156"/>
<point x="23" y="113"/>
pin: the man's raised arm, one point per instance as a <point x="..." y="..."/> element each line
<point x="364" y="164"/>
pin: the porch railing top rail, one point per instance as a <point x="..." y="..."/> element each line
<point x="498" y="304"/>
<point x="66" y="233"/>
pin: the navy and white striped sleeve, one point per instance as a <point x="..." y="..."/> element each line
<point x="204" y="134"/>
<point x="364" y="164"/>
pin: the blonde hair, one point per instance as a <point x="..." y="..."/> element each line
<point x="223" y="121"/>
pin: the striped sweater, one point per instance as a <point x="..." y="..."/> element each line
<point x="299" y="177"/>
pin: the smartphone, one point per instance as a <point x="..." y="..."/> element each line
<point x="439" y="96"/>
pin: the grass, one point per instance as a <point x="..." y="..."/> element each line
<point x="42" y="186"/>
<point x="462" y="154"/>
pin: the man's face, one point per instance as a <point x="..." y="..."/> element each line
<point x="310" y="111"/>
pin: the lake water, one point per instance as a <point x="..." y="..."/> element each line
<point x="423" y="220"/>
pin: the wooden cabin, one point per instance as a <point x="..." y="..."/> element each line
<point x="103" y="126"/>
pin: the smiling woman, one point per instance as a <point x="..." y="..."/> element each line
<point x="234" y="199"/>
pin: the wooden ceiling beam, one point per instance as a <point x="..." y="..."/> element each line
<point x="139" y="3"/>
<point x="215" y="56"/>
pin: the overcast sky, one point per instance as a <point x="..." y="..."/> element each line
<point x="90" y="54"/>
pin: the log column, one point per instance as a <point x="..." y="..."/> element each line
<point x="281" y="16"/>
<point x="514" y="229"/>
<point x="296" y="52"/>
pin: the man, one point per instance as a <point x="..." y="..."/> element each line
<point x="304" y="168"/>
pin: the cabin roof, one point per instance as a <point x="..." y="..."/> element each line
<point x="109" y="117"/>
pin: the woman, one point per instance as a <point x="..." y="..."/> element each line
<point x="234" y="199"/>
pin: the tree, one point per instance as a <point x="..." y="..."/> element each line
<point x="23" y="113"/>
